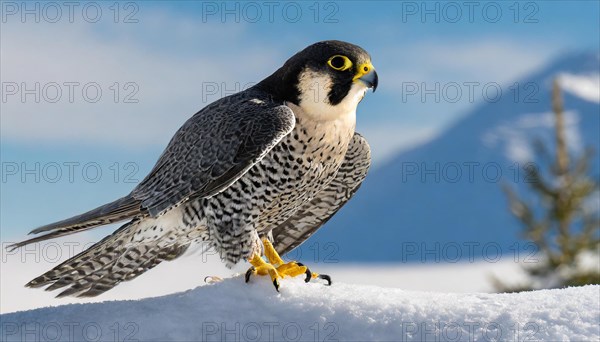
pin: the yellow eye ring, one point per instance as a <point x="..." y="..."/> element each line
<point x="339" y="62"/>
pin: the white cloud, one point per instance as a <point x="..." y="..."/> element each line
<point x="170" y="80"/>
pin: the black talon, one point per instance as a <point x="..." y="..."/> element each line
<point x="320" y="276"/>
<point x="325" y="277"/>
<point x="276" y="283"/>
<point x="249" y="273"/>
<point x="308" y="273"/>
<point x="308" y="276"/>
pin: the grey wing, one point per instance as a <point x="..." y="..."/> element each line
<point x="209" y="152"/>
<point x="314" y="214"/>
<point x="213" y="149"/>
<point x="119" y="257"/>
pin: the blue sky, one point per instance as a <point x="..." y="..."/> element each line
<point x="181" y="55"/>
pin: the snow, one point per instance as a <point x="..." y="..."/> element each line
<point x="516" y="135"/>
<point x="390" y="301"/>
<point x="586" y="86"/>
<point x="233" y="310"/>
<point x="189" y="271"/>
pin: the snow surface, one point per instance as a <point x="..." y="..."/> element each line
<point x="586" y="87"/>
<point x="516" y="135"/>
<point x="233" y="310"/>
<point x="189" y="271"/>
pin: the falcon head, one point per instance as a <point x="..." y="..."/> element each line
<point x="327" y="79"/>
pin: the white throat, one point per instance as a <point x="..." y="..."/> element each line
<point x="314" y="88"/>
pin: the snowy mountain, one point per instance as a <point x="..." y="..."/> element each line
<point x="234" y="311"/>
<point x="442" y="201"/>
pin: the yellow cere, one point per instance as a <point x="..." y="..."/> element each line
<point x="363" y="69"/>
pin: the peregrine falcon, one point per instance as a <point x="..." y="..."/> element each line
<point x="253" y="174"/>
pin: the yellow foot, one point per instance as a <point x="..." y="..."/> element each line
<point x="277" y="269"/>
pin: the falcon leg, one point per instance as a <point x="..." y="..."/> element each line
<point x="276" y="268"/>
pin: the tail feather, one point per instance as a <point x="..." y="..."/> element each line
<point x="119" y="210"/>
<point x="109" y="262"/>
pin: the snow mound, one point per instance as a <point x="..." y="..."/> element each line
<point x="586" y="87"/>
<point x="232" y="310"/>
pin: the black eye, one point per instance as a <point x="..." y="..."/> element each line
<point x="339" y="62"/>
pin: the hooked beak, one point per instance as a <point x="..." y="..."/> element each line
<point x="366" y="74"/>
<point x="370" y="79"/>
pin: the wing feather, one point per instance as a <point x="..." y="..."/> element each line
<point x="214" y="148"/>
<point x="118" y="257"/>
